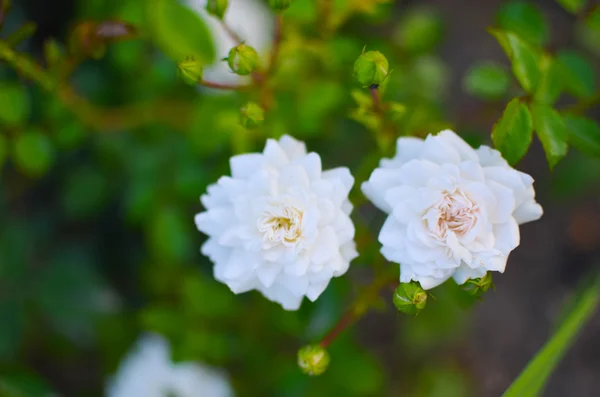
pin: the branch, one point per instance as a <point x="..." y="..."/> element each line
<point x="219" y="86"/>
<point x="359" y="308"/>
<point x="234" y="36"/>
<point x="112" y="119"/>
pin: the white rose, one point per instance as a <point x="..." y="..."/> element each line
<point x="279" y="224"/>
<point x="148" y="371"/>
<point x="251" y="20"/>
<point x="453" y="211"/>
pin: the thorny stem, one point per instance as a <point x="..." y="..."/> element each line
<point x="359" y="308"/>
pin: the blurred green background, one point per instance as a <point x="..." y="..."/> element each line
<point x="97" y="241"/>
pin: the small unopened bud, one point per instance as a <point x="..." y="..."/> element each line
<point x="280" y="5"/>
<point x="190" y="71"/>
<point x="410" y="298"/>
<point x="478" y="286"/>
<point x="217" y="7"/>
<point x="313" y="359"/>
<point x="252" y="115"/>
<point x="243" y="59"/>
<point x="371" y="69"/>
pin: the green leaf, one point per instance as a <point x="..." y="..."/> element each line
<point x="523" y="56"/>
<point x="15" y="104"/>
<point x="578" y="74"/>
<point x="487" y="81"/>
<point x="535" y="375"/>
<point x="33" y="153"/>
<point x="551" y="131"/>
<point x="524" y="19"/>
<point x="179" y="31"/>
<point x="513" y="133"/>
<point x="551" y="82"/>
<point x="573" y="6"/>
<point x="584" y="134"/>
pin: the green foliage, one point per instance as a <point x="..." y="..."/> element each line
<point x="587" y="31"/>
<point x="487" y="81"/>
<point x="419" y="30"/>
<point x="513" y="133"/>
<point x="525" y="20"/>
<point x="584" y="134"/>
<point x="552" y="80"/>
<point x="170" y="235"/>
<point x="578" y="74"/>
<point x="552" y="132"/>
<point x="573" y="6"/>
<point x="24" y="384"/>
<point x="179" y="32"/>
<point x="15" y="104"/>
<point x="523" y="57"/>
<point x="104" y="248"/>
<point x="532" y="380"/>
<point x="33" y="152"/>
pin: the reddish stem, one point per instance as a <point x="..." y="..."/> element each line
<point x="219" y="86"/>
<point x="376" y="100"/>
<point x="344" y="322"/>
<point x="234" y="36"/>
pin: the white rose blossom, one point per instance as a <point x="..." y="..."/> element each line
<point x="147" y="371"/>
<point x="251" y="20"/>
<point x="279" y="224"/>
<point x="453" y="211"/>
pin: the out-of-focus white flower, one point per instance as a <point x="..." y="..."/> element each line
<point x="453" y="211"/>
<point x="279" y="224"/>
<point x="251" y="20"/>
<point x="148" y="371"/>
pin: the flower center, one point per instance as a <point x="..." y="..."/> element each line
<point x="455" y="212"/>
<point x="281" y="225"/>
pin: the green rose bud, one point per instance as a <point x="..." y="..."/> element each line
<point x="371" y="69"/>
<point x="243" y="59"/>
<point x="313" y="359"/>
<point x="190" y="71"/>
<point x="478" y="286"/>
<point x="410" y="298"/>
<point x="252" y="115"/>
<point x="217" y="7"/>
<point x="280" y="5"/>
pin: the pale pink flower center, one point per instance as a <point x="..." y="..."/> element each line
<point x="455" y="212"/>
